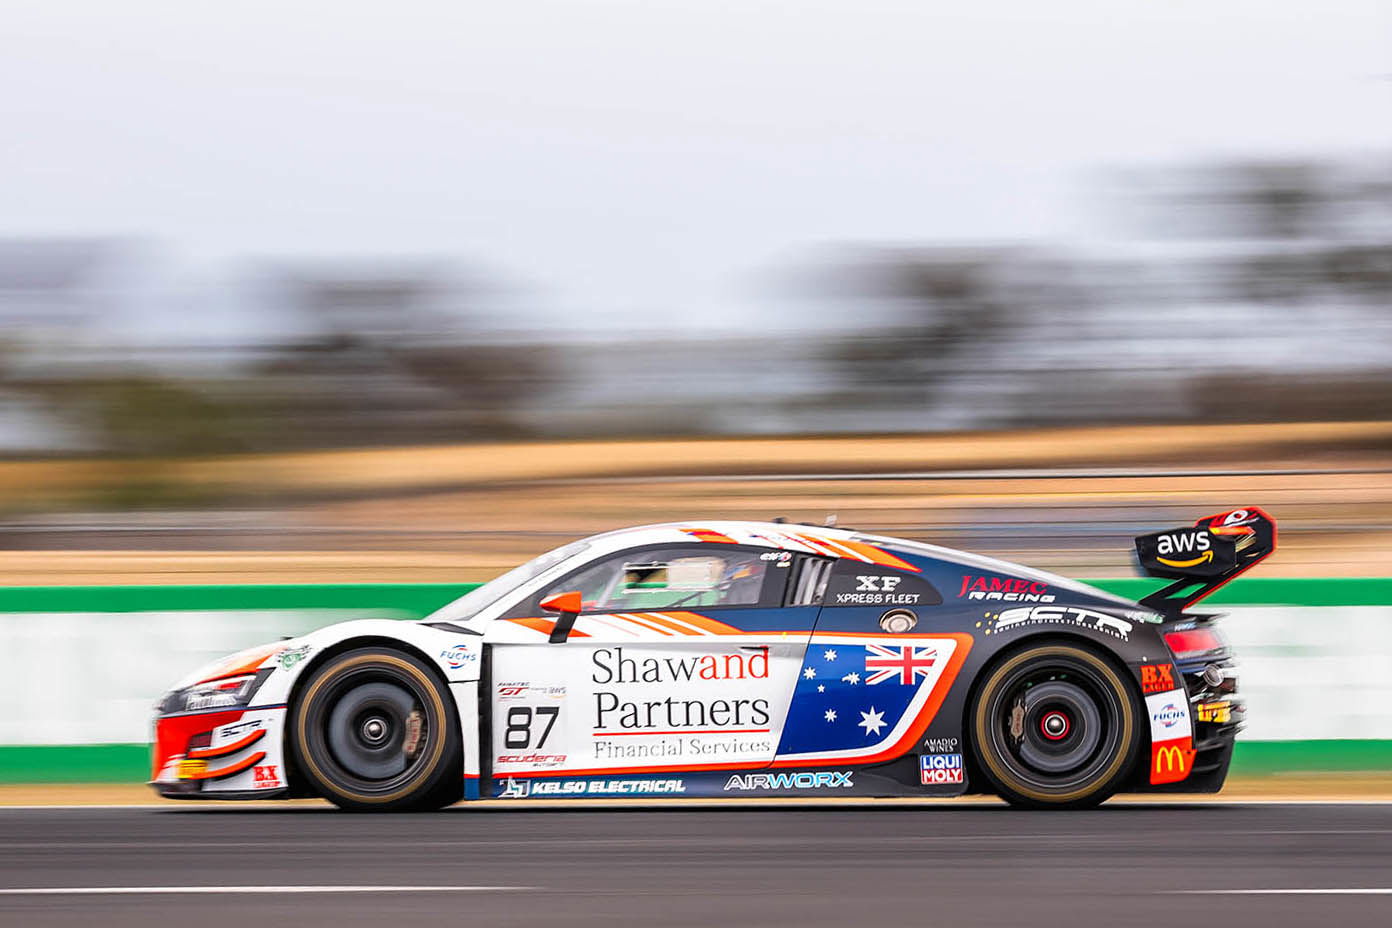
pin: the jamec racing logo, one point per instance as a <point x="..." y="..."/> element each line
<point x="1007" y="589"/>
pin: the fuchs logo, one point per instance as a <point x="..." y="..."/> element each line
<point x="458" y="656"/>
<point x="1168" y="715"/>
<point x="1157" y="678"/>
<point x="825" y="780"/>
<point x="1007" y="589"/>
<point x="1184" y="549"/>
<point x="939" y="768"/>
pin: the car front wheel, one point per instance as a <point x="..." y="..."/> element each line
<point x="375" y="730"/>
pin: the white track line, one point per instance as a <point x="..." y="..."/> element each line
<point x="258" y="890"/>
<point x="1356" y="891"/>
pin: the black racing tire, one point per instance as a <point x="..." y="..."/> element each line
<point x="1055" y="726"/>
<point x="374" y="730"/>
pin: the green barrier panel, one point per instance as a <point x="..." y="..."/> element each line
<point x="130" y="763"/>
<point x="75" y="763"/>
<point x="419" y="599"/>
<point x="1273" y="591"/>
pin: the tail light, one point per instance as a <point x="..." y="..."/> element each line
<point x="1194" y="642"/>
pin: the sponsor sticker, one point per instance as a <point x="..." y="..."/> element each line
<point x="266" y="776"/>
<point x="1171" y="760"/>
<point x="1169" y="716"/>
<point x="826" y="779"/>
<point x="1023" y="616"/>
<point x="606" y="787"/>
<point x="941" y="745"/>
<point x="190" y="769"/>
<point x="1157" y="678"/>
<point x="1005" y="589"/>
<point x="1216" y="713"/>
<point x="935" y="769"/>
<point x="293" y="656"/>
<point x="537" y="760"/>
<point x="459" y="655"/>
<point x="1184" y="549"/>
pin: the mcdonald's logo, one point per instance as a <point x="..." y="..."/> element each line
<point x="1171" y="761"/>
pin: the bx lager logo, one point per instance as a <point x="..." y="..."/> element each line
<point x="265" y="777"/>
<point x="1157" y="678"/>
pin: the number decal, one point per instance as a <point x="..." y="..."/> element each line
<point x="552" y="712"/>
<point x="518" y="733"/>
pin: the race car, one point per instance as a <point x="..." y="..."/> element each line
<point x="739" y="659"/>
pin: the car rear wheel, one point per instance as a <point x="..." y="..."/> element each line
<point x="1055" y="726"/>
<point x="374" y="730"/>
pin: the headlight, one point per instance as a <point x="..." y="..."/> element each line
<point x="214" y="694"/>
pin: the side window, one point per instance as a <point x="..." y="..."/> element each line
<point x="686" y="577"/>
<point x="855" y="583"/>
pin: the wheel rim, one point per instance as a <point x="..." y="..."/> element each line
<point x="1055" y="724"/>
<point x="375" y="728"/>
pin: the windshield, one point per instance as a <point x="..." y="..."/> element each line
<point x="475" y="601"/>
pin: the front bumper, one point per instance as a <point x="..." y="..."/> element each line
<point x="219" y="754"/>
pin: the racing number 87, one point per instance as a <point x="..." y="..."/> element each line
<point x="518" y="733"/>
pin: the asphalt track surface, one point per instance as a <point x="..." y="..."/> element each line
<point x="799" y="865"/>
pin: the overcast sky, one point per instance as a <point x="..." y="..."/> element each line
<point x="613" y="160"/>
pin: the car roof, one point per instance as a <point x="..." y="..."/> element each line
<point x="827" y="541"/>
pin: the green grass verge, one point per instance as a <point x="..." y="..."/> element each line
<point x="419" y="599"/>
<point x="130" y="763"/>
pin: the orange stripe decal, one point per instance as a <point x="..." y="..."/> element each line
<point x="880" y="555"/>
<point x="545" y="626"/>
<point x="707" y="623"/>
<point x="230" y="769"/>
<point x="706" y="534"/>
<point x="658" y="618"/>
<point x="233" y="748"/>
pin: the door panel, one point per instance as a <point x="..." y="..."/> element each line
<point x="865" y="694"/>
<point x="645" y="691"/>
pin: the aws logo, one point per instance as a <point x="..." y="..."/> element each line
<point x="1184" y="549"/>
<point x="1171" y="761"/>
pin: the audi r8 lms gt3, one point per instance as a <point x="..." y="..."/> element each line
<point x="739" y="659"/>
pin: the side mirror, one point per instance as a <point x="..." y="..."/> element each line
<point x="567" y="606"/>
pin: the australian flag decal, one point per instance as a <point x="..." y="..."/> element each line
<point x="852" y="696"/>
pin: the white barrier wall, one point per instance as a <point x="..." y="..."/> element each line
<point x="92" y="678"/>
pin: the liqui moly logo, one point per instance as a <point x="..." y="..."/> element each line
<point x="935" y="769"/>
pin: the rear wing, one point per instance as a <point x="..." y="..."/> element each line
<point x="1203" y="557"/>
